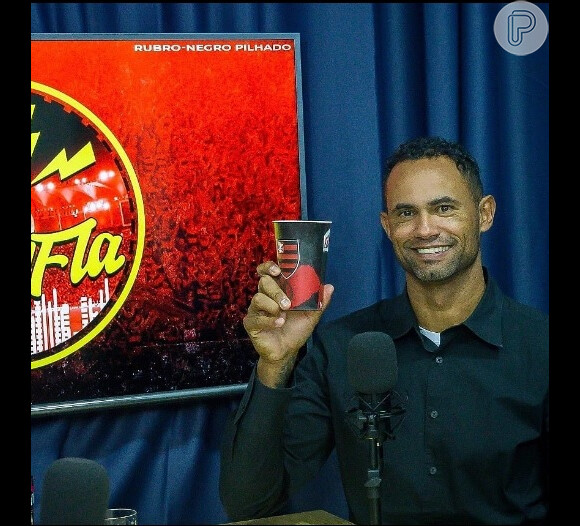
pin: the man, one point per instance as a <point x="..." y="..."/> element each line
<point x="472" y="373"/>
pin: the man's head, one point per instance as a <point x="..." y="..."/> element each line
<point x="435" y="208"/>
<point x="431" y="147"/>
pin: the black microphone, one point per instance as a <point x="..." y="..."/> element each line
<point x="372" y="372"/>
<point x="372" y="363"/>
<point x="74" y="491"/>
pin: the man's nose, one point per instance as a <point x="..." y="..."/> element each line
<point x="426" y="225"/>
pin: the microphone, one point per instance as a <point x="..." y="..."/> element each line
<point x="372" y="363"/>
<point x="372" y="372"/>
<point x="74" y="491"/>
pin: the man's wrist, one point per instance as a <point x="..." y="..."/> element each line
<point x="275" y="374"/>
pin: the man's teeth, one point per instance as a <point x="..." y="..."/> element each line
<point x="433" y="250"/>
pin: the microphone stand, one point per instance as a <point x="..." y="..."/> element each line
<point x="371" y="422"/>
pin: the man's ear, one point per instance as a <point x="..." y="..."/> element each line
<point x="385" y="223"/>
<point x="486" y="212"/>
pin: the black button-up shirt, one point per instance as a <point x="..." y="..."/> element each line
<point x="470" y="448"/>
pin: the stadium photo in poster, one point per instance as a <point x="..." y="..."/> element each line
<point x="152" y="161"/>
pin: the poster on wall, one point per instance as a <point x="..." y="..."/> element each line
<point x="158" y="163"/>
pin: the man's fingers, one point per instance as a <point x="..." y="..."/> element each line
<point x="268" y="268"/>
<point x="327" y="295"/>
<point x="264" y="313"/>
<point x="262" y="303"/>
<point x="270" y="287"/>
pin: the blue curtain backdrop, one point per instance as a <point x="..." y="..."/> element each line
<point x="373" y="75"/>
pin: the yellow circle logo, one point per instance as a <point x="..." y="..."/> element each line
<point x="87" y="225"/>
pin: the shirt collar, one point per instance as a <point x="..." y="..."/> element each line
<point x="484" y="321"/>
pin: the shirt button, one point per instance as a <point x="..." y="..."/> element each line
<point x="432" y="470"/>
<point x="433" y="414"/>
<point x="439" y="359"/>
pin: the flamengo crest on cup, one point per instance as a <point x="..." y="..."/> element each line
<point x="288" y="256"/>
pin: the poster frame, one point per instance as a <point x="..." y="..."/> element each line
<point x="178" y="395"/>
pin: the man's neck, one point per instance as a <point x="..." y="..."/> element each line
<point x="441" y="305"/>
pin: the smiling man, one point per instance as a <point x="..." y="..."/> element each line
<point x="472" y="373"/>
<point x="435" y="214"/>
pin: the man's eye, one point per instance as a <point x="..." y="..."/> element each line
<point x="445" y="208"/>
<point x="406" y="213"/>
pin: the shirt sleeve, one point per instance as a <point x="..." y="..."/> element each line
<point x="252" y="477"/>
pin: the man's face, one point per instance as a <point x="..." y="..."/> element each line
<point x="432" y="220"/>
